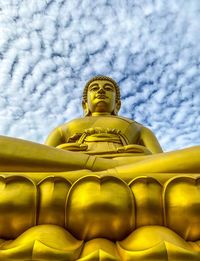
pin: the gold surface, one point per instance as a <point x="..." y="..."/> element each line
<point x="99" y="189"/>
<point x="148" y="199"/>
<point x="92" y="206"/>
<point x="101" y="211"/>
<point x="18" y="204"/>
<point x="52" y="192"/>
<point x="100" y="249"/>
<point x="181" y="203"/>
<point x="44" y="242"/>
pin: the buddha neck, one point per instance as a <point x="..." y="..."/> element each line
<point x="100" y="113"/>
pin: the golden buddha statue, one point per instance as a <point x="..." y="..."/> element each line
<point x="99" y="189"/>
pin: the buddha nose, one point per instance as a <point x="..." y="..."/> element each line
<point x="101" y="90"/>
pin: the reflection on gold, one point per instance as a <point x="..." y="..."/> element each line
<point x="99" y="249"/>
<point x="181" y="202"/>
<point x="52" y="192"/>
<point x="18" y="204"/>
<point x="93" y="211"/>
<point x="100" y="189"/>
<point x="148" y="199"/>
<point x="44" y="242"/>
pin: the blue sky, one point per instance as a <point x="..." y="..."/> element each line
<point x="49" y="49"/>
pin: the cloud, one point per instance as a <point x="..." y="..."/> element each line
<point x="50" y="49"/>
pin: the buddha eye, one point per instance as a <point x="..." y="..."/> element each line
<point x="108" y="88"/>
<point x="95" y="88"/>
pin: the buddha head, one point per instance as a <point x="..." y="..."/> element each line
<point x="101" y="95"/>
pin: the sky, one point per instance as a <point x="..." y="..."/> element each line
<point x="49" y="49"/>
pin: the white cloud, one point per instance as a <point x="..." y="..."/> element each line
<point x="50" y="49"/>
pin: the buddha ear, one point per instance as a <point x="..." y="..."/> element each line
<point x="85" y="108"/>
<point x="117" y="107"/>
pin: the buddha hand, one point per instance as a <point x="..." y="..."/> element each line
<point x="134" y="148"/>
<point x="73" y="146"/>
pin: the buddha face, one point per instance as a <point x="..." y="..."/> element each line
<point x="101" y="97"/>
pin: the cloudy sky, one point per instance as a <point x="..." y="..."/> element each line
<point x="49" y="49"/>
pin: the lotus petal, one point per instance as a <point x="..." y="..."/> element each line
<point x="182" y="206"/>
<point x="100" y="207"/>
<point x="18" y="205"/>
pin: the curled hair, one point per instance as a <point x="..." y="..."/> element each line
<point x="102" y="78"/>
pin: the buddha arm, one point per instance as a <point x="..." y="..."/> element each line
<point x="55" y="138"/>
<point x="148" y="139"/>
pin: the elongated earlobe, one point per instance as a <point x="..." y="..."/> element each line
<point x="117" y="108"/>
<point x="85" y="108"/>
